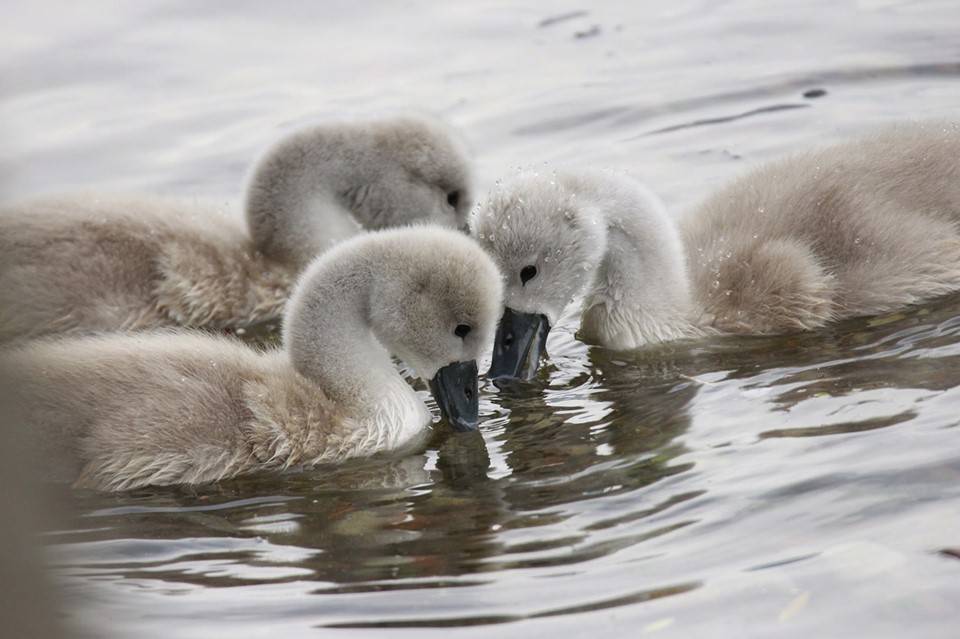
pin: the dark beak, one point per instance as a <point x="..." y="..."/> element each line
<point x="521" y="340"/>
<point x="455" y="389"/>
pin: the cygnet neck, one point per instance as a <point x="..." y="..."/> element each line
<point x="293" y="207"/>
<point x="641" y="292"/>
<point x="330" y="341"/>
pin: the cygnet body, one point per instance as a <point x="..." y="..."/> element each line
<point x="859" y="228"/>
<point x="87" y="264"/>
<point x="177" y="407"/>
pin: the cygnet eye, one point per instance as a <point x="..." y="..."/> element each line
<point x="461" y="331"/>
<point x="453" y="198"/>
<point x="527" y="273"/>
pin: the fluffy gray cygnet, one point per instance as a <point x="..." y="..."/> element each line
<point x="88" y="264"/>
<point x="859" y="228"/>
<point x="120" y="411"/>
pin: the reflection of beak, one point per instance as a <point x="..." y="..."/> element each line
<point x="521" y="340"/>
<point x="455" y="389"/>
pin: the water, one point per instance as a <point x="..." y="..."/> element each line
<point x="791" y="487"/>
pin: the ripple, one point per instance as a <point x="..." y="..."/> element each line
<point x="729" y="118"/>
<point x="776" y="484"/>
<point x="625" y="600"/>
<point x="842" y="428"/>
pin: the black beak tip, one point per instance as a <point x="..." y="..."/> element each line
<point x="455" y="389"/>
<point x="464" y="425"/>
<point x="502" y="381"/>
<point x="520" y="342"/>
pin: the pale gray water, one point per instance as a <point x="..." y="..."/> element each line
<point x="790" y="487"/>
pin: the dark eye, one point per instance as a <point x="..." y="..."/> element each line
<point x="453" y="198"/>
<point x="527" y="273"/>
<point x="461" y="331"/>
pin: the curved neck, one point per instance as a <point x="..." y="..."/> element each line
<point x="641" y="293"/>
<point x="293" y="216"/>
<point x="330" y="341"/>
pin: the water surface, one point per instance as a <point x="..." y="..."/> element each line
<point x="791" y="487"/>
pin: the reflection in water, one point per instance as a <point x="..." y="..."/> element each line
<point x="641" y="473"/>
<point x="791" y="486"/>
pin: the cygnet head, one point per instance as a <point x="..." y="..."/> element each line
<point x="548" y="242"/>
<point x="323" y="184"/>
<point x="436" y="298"/>
<point x="429" y="296"/>
<point x="595" y="233"/>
